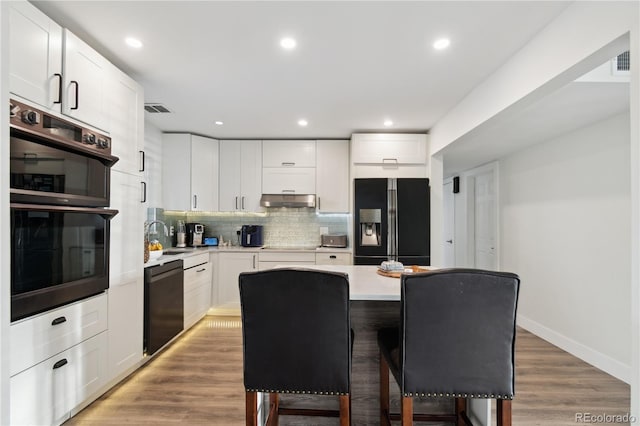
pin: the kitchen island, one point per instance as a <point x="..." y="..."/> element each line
<point x="375" y="303"/>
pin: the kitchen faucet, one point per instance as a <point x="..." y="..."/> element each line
<point x="148" y="226"/>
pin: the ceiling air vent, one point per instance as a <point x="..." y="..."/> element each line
<point x="156" y="109"/>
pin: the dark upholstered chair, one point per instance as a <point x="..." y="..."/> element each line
<point x="296" y="339"/>
<point x="456" y="339"/>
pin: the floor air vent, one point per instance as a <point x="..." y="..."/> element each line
<point x="156" y="109"/>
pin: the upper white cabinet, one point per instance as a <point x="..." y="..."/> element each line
<point x="125" y="100"/>
<point x="332" y="176"/>
<point x="240" y="175"/>
<point x="35" y="56"/>
<point x="285" y="180"/>
<point x="85" y="82"/>
<point x="288" y="153"/>
<point x="189" y="172"/>
<point x="388" y="148"/>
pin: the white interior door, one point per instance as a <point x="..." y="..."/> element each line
<point x="485" y="219"/>
<point x="449" y="258"/>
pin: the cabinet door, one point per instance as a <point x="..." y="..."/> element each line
<point x="125" y="100"/>
<point x="197" y="293"/>
<point x="176" y="173"/>
<point x="389" y="148"/>
<point x="204" y="174"/>
<point x="332" y="176"/>
<point x="230" y="267"/>
<point x="289" y="153"/>
<point x="126" y="307"/>
<point x="35" y="56"/>
<point x="85" y="74"/>
<point x="46" y="393"/>
<point x="251" y="175"/>
<point x="284" y="180"/>
<point x="229" y="195"/>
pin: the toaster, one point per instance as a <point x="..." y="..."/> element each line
<point x="333" y="240"/>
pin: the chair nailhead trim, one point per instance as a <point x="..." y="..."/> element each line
<point x="298" y="392"/>
<point x="451" y="395"/>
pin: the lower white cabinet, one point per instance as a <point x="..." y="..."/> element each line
<point x="230" y="267"/>
<point x="270" y="260"/>
<point x="197" y="288"/>
<point x="46" y="393"/>
<point x="126" y="306"/>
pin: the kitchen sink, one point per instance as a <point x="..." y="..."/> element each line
<point x="172" y="252"/>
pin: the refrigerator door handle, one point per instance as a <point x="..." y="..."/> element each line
<point x="392" y="210"/>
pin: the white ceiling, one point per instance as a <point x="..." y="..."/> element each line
<point x="356" y="64"/>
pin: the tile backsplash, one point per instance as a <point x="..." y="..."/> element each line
<point x="283" y="227"/>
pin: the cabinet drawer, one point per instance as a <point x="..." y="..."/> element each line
<point x="191" y="261"/>
<point x="282" y="180"/>
<point x="300" y="153"/>
<point x="197" y="276"/>
<point x="37" y="338"/>
<point x="286" y="257"/>
<point x="333" y="258"/>
<point x="45" y="393"/>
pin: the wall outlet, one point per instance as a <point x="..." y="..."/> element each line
<point x="324" y="230"/>
<point x="171" y="231"/>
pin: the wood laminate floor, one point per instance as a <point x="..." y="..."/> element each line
<point x="198" y="380"/>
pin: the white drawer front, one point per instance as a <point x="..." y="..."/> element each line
<point x="287" y="257"/>
<point x="281" y="180"/>
<point x="35" y="339"/>
<point x="197" y="276"/>
<point x="191" y="261"/>
<point x="333" y="258"/>
<point x="46" y="393"/>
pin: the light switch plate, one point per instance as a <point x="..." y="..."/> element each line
<point x="324" y="230"/>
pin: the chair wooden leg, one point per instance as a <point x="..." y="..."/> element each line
<point x="503" y="412"/>
<point x="461" y="407"/>
<point x="406" y="408"/>
<point x="345" y="410"/>
<point x="384" y="392"/>
<point x="251" y="408"/>
<point x="274" y="406"/>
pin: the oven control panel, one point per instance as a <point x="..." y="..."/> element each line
<point x="42" y="124"/>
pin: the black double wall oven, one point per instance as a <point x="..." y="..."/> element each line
<point x="59" y="199"/>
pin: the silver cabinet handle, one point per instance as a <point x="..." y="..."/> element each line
<point x="319" y="203"/>
<point x="201" y="270"/>
<point x="242" y="204"/>
<point x="254" y="261"/>
<point x="384" y="160"/>
<point x="195" y="201"/>
<point x="288" y="164"/>
<point x="236" y="203"/>
<point x="449" y="241"/>
<point x="289" y="190"/>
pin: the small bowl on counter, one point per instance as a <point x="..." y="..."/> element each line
<point x="154" y="254"/>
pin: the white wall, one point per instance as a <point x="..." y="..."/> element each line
<point x="565" y="229"/>
<point x="153" y="164"/>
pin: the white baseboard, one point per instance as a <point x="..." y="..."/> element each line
<point x="599" y="360"/>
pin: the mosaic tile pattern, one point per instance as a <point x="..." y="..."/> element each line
<point x="283" y="227"/>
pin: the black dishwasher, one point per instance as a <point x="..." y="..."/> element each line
<point x="163" y="304"/>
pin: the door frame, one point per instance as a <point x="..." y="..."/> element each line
<point x="451" y="218"/>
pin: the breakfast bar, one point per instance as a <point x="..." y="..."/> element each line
<point x="375" y="303"/>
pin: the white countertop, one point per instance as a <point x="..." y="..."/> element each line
<point x="190" y="251"/>
<point x="364" y="282"/>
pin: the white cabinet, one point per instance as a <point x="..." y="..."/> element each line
<point x="189" y="172"/>
<point x="288" y="153"/>
<point x="125" y="100"/>
<point x="197" y="288"/>
<point x="269" y="259"/>
<point x="35" y="56"/>
<point x="46" y="393"/>
<point x="388" y="148"/>
<point x="240" y="175"/>
<point x="57" y="361"/>
<point x="85" y="83"/>
<point x="332" y="176"/>
<point x="333" y="258"/>
<point x="283" y="180"/>
<point x="230" y="267"/>
<point x="288" y="167"/>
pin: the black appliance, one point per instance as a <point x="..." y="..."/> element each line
<point x="163" y="304"/>
<point x="392" y="221"/>
<point x="251" y="236"/>
<point x="195" y="234"/>
<point x="59" y="184"/>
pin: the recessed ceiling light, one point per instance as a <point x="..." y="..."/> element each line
<point x="388" y="123"/>
<point x="133" y="42"/>
<point x="302" y="122"/>
<point x="288" y="43"/>
<point x="441" y="43"/>
<point x="219" y="123"/>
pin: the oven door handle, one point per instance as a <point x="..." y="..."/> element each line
<point x="106" y="213"/>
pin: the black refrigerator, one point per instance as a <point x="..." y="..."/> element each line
<point x="392" y="221"/>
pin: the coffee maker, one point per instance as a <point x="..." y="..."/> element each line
<point x="195" y="234"/>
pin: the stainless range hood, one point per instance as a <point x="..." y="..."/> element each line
<point x="288" y="200"/>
